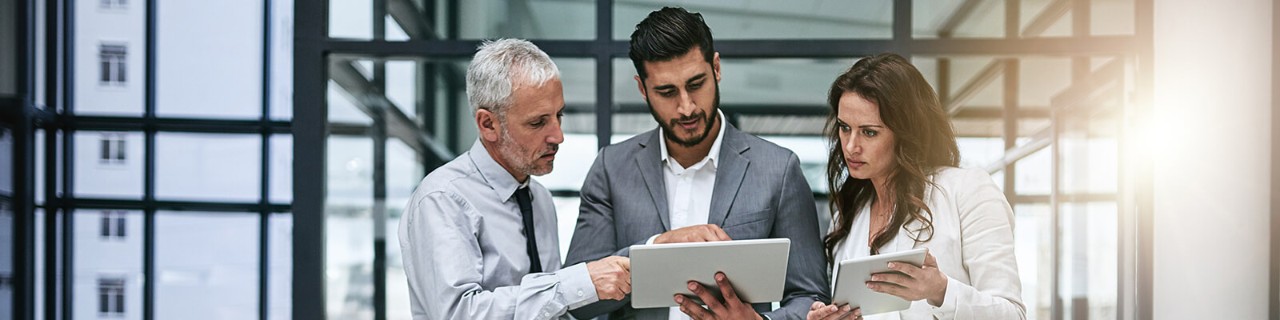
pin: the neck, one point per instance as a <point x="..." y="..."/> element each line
<point x="496" y="154"/>
<point x="687" y="156"/>
<point x="884" y="194"/>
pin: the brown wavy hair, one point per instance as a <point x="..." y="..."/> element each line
<point x="923" y="142"/>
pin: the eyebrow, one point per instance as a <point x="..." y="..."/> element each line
<point x="700" y="76"/>
<point x="839" y="121"/>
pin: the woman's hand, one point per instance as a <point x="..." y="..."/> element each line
<point x="822" y="311"/>
<point x="912" y="283"/>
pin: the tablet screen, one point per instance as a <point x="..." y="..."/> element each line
<point x="853" y="274"/>
<point x="756" y="268"/>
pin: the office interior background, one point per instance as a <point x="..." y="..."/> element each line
<point x="249" y="159"/>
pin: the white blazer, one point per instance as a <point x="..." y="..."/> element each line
<point x="973" y="244"/>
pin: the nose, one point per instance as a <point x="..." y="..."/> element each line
<point x="852" y="145"/>
<point x="557" y="134"/>
<point x="686" y="106"/>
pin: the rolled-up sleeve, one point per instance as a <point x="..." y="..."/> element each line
<point x="444" y="263"/>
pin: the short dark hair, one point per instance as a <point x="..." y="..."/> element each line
<point x="668" y="33"/>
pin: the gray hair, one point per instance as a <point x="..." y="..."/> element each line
<point x="500" y="66"/>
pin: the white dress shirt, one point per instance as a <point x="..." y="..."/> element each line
<point x="972" y="241"/>
<point x="463" y="242"/>
<point x="689" y="190"/>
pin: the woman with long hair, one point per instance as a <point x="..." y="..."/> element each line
<point x="895" y="186"/>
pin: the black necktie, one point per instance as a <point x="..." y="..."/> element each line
<point x="531" y="241"/>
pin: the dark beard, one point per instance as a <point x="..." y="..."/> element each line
<point x="710" y="119"/>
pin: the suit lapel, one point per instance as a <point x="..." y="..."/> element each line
<point x="650" y="165"/>
<point x="729" y="173"/>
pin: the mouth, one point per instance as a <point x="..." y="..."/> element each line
<point x="548" y="156"/>
<point x="689" y="124"/>
<point x="854" y="165"/>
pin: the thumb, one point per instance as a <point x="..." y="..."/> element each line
<point x="625" y="263"/>
<point x="929" y="260"/>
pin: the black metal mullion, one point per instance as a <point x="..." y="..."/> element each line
<point x="901" y="26"/>
<point x="604" y="73"/>
<point x="379" y="82"/>
<point x="264" y="205"/>
<point x="24" y="165"/>
<point x="149" y="166"/>
<point x="310" y="74"/>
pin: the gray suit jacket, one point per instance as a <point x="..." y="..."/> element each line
<point x="759" y="193"/>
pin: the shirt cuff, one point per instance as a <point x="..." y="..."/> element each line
<point x="948" y="308"/>
<point x="654" y="237"/>
<point x="576" y="287"/>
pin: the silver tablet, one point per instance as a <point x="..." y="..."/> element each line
<point x="756" y="268"/>
<point x="853" y="274"/>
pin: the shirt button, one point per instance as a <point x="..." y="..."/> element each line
<point x="580" y="294"/>
<point x="544" y="313"/>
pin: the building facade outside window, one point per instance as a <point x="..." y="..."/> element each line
<point x="112" y="225"/>
<point x="111" y="296"/>
<point x="112" y="66"/>
<point x="113" y="4"/>
<point x="112" y="149"/>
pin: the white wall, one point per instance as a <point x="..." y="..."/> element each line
<point x="1212" y="108"/>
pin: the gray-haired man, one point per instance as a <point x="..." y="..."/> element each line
<point x="479" y="235"/>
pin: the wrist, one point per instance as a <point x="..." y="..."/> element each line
<point x="941" y="295"/>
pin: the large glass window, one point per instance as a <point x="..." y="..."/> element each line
<point x="778" y="60"/>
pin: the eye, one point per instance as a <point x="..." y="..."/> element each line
<point x="870" y="133"/>
<point x="537" y="123"/>
<point x="668" y="94"/>
<point x="844" y="128"/>
<point x="696" y="86"/>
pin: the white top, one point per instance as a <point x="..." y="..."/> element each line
<point x="689" y="190"/>
<point x="972" y="242"/>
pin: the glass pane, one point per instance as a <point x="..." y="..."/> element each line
<point x="208" y="167"/>
<point x="280" y="266"/>
<point x="1090" y="151"/>
<point x="210" y="59"/>
<point x="1033" y="247"/>
<point x="1037" y="18"/>
<point x="125" y="27"/>
<point x="349" y="228"/>
<point x="115" y="255"/>
<point x="939" y="19"/>
<point x="1112" y="17"/>
<point x="206" y="264"/>
<point x="354" y="19"/>
<point x="402" y="86"/>
<point x="6" y="258"/>
<point x="6" y="161"/>
<point x="281" y="165"/>
<point x="404" y="172"/>
<point x="9" y="75"/>
<point x="1034" y="174"/>
<point x="763" y="19"/>
<point x="1088" y="262"/>
<point x="281" y="63"/>
<point x="103" y="173"/>
<point x="980" y="152"/>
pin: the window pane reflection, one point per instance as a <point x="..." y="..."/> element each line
<point x="108" y="278"/>
<point x="808" y="19"/>
<point x="206" y="264"/>
<point x="208" y="167"/>
<point x="108" y="164"/>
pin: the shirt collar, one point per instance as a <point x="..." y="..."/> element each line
<point x="712" y="156"/>
<point x="493" y="173"/>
